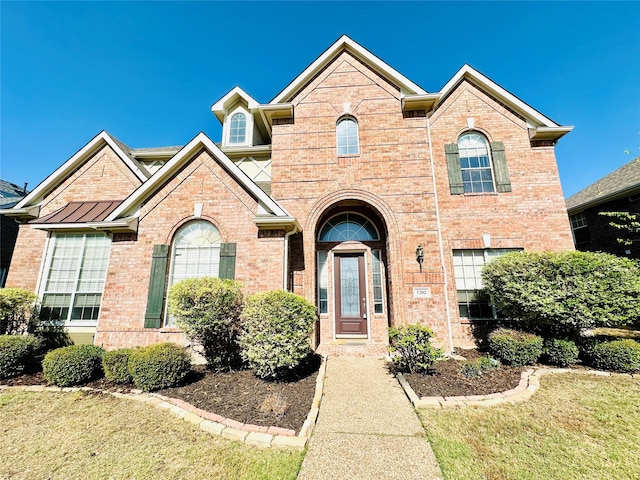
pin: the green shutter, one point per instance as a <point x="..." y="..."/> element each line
<point x="157" y="282"/>
<point x="228" y="261"/>
<point x="500" y="167"/>
<point x="453" y="168"/>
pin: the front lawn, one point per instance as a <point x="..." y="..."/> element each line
<point x="91" y="436"/>
<point x="575" y="426"/>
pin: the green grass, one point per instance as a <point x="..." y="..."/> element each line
<point x="89" y="436"/>
<point x="575" y="427"/>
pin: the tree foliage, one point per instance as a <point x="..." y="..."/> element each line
<point x="627" y="222"/>
<point x="208" y="310"/>
<point x="561" y="293"/>
<point x="17" y="311"/>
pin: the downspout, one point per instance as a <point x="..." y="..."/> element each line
<point x="286" y="256"/>
<point x="442" y="262"/>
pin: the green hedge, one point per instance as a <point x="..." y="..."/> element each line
<point x="562" y="353"/>
<point x="412" y="343"/>
<point x="514" y="347"/>
<point x="16" y="352"/>
<point x="276" y="337"/>
<point x="159" y="366"/>
<point x="73" y="365"/>
<point x="558" y="294"/>
<point x="616" y="355"/>
<point x="115" y="364"/>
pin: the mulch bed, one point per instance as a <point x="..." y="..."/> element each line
<point x="447" y="379"/>
<point x="238" y="395"/>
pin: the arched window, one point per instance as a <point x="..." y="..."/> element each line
<point x="238" y="128"/>
<point x="195" y="253"/>
<point x="475" y="163"/>
<point x="347" y="136"/>
<point x="348" y="226"/>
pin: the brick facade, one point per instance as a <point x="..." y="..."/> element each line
<point x="398" y="180"/>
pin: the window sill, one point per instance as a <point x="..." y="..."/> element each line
<point x="170" y="329"/>
<point x="348" y="155"/>
<point x="481" y="194"/>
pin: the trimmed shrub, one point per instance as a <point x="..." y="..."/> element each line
<point x="277" y="328"/>
<point x="16" y="352"/>
<point x="115" y="364"/>
<point x="616" y="355"/>
<point x="208" y="310"/>
<point x="476" y="367"/>
<point x="17" y="311"/>
<point x="514" y="347"/>
<point x="412" y="343"/>
<point x="558" y="294"/>
<point x="159" y="366"/>
<point x="72" y="365"/>
<point x="560" y="352"/>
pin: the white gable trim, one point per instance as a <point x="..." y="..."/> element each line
<point x="221" y="105"/>
<point x="53" y="180"/>
<point x="496" y="90"/>
<point x="133" y="202"/>
<point x="345" y="43"/>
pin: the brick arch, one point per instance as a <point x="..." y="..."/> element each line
<point x="389" y="222"/>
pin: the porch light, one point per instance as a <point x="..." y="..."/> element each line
<point x="420" y="256"/>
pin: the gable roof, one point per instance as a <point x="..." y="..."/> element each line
<point x="623" y="181"/>
<point x="344" y="43"/>
<point x="11" y="194"/>
<point x="67" y="168"/>
<point x="131" y="205"/>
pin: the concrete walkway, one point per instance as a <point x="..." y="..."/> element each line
<point x="367" y="428"/>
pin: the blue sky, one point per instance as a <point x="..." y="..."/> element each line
<point x="148" y="72"/>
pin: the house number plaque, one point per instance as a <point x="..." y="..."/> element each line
<point x="421" y="292"/>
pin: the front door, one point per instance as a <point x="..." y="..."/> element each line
<point x="350" y="294"/>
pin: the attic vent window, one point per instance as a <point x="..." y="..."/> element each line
<point x="238" y="129"/>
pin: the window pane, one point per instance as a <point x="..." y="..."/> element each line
<point x="348" y="226"/>
<point x="477" y="176"/>
<point x="237" y="130"/>
<point x="347" y="137"/>
<point x="323" y="283"/>
<point x="376" y="266"/>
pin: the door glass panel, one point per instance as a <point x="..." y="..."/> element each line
<point x="349" y="287"/>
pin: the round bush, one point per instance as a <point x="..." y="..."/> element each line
<point x="16" y="351"/>
<point x="616" y="355"/>
<point x="277" y="327"/>
<point x="412" y="343"/>
<point x="514" y="347"/>
<point x="115" y="364"/>
<point x="159" y="366"/>
<point x="72" y="365"/>
<point x="560" y="352"/>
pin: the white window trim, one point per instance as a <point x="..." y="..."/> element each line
<point x="248" y="137"/>
<point x="338" y="122"/>
<point x="489" y="154"/>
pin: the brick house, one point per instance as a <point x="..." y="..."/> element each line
<point x="617" y="192"/>
<point x="354" y="187"/>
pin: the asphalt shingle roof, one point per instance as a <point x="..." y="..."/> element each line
<point x="624" y="179"/>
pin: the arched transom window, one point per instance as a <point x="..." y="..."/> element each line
<point x="475" y="163"/>
<point x="348" y="226"/>
<point x="238" y="128"/>
<point x="347" y="136"/>
<point x="196" y="252"/>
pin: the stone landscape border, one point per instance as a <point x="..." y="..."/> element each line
<point x="258" y="436"/>
<point x="528" y="385"/>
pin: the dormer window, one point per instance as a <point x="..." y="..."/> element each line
<point x="238" y="129"/>
<point x="347" y="136"/>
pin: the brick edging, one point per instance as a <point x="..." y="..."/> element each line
<point x="528" y="385"/>
<point x="258" y="436"/>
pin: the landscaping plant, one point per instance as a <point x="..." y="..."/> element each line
<point x="115" y="364"/>
<point x="72" y="365"/>
<point x="159" y="366"/>
<point x="412" y="344"/>
<point x="616" y="355"/>
<point x="476" y="367"/>
<point x="276" y="337"/>
<point x="208" y="310"/>
<point x="558" y="294"/>
<point x="514" y="347"/>
<point x="562" y="353"/>
<point x="17" y="311"/>
<point x="16" y="351"/>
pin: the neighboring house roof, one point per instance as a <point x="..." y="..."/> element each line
<point x="80" y="212"/>
<point x="624" y="181"/>
<point x="11" y="194"/>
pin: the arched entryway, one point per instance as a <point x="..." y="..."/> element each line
<point x="352" y="287"/>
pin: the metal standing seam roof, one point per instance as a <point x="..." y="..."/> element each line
<point x="80" y="212"/>
<point x="623" y="179"/>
